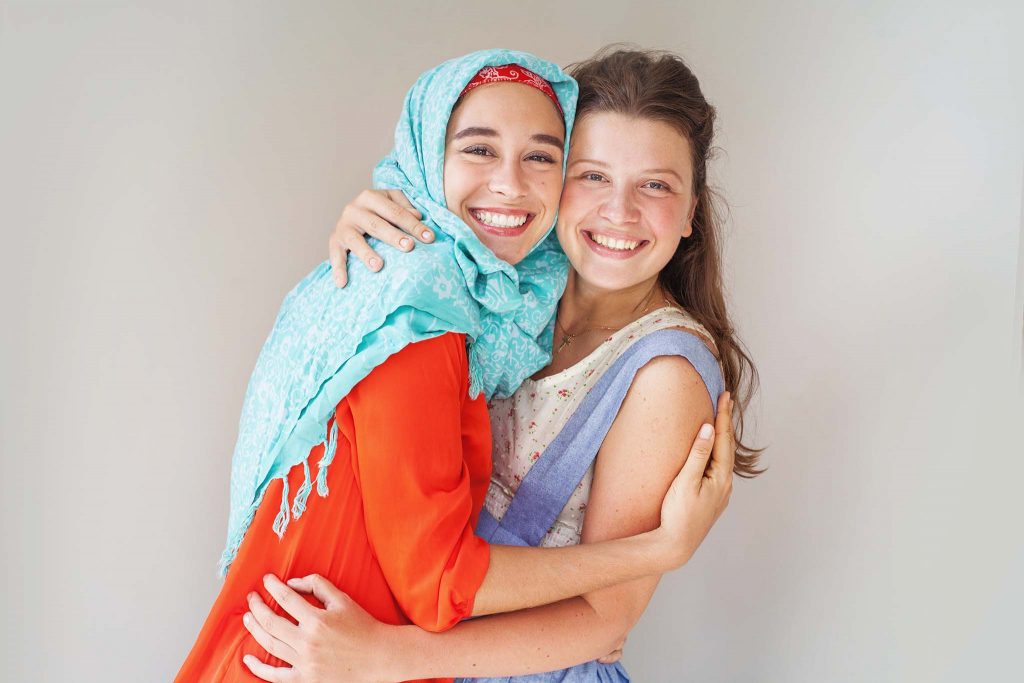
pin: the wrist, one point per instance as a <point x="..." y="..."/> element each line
<point x="400" y="645"/>
<point x="668" y="552"/>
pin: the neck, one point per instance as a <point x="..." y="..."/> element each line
<point x="584" y="304"/>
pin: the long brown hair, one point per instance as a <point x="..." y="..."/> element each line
<point x="649" y="84"/>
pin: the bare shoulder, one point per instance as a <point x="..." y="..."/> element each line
<point x="647" y="444"/>
<point x="663" y="410"/>
<point x="668" y="383"/>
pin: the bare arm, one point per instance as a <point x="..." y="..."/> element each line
<point x="342" y="642"/>
<point x="667" y="401"/>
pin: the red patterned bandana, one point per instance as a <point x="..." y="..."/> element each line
<point x="512" y="73"/>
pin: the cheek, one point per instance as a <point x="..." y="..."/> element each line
<point x="667" y="222"/>
<point x="547" y="188"/>
<point x="573" y="202"/>
<point x="456" y="182"/>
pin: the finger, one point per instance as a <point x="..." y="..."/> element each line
<point x="273" y="623"/>
<point x="263" y="671"/>
<point x="290" y="601"/>
<point x="399" y="211"/>
<point x="700" y="452"/>
<point x="723" y="455"/>
<point x="322" y="589"/>
<point x="378" y="227"/>
<point x="338" y="255"/>
<point x="355" y="242"/>
<point x="398" y="197"/>
<point x="268" y="642"/>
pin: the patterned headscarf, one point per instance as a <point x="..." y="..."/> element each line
<point x="325" y="340"/>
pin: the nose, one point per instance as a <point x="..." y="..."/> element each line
<point x="620" y="207"/>
<point x="507" y="179"/>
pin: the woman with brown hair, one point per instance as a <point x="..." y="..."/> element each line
<point x="588" y="447"/>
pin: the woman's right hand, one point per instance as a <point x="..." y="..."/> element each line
<point x="385" y="214"/>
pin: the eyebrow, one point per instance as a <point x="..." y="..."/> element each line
<point x="491" y="133"/>
<point x="595" y="162"/>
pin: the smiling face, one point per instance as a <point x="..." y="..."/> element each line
<point x="627" y="201"/>
<point x="503" y="166"/>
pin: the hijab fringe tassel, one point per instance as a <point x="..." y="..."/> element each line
<point x="299" y="506"/>
<point x="329" y="450"/>
<point x="302" y="495"/>
<point x="284" y="516"/>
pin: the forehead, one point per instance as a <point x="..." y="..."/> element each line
<point x="629" y="141"/>
<point x="505" y="106"/>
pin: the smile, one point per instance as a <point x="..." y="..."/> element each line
<point x="502" y="222"/>
<point x="615" y="247"/>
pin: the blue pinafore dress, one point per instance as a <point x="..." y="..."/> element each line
<point x="548" y="485"/>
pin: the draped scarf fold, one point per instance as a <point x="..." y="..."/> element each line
<point x="325" y="340"/>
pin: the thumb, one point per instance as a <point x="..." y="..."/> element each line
<point x="700" y="453"/>
<point x="322" y="589"/>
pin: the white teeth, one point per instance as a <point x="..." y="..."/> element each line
<point x="620" y="245"/>
<point x="499" y="220"/>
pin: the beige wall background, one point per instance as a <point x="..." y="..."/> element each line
<point x="171" y="169"/>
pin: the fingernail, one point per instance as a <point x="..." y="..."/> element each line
<point x="246" y="618"/>
<point x="427" y="235"/>
<point x="405" y="243"/>
<point x="375" y="263"/>
<point x="705" y="431"/>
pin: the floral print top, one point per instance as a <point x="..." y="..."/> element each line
<point x="524" y="424"/>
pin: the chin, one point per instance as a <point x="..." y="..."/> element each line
<point x="611" y="279"/>
<point x="511" y="258"/>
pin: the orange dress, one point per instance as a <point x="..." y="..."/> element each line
<point x="395" y="531"/>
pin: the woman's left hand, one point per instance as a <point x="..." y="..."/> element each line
<point x="700" y="492"/>
<point x="340" y="642"/>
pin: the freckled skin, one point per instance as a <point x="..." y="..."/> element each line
<point x="610" y="186"/>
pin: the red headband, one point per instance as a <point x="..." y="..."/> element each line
<point x="512" y="73"/>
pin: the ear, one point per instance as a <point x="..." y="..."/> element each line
<point x="688" y="225"/>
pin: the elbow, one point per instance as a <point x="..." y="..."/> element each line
<point x="437" y="612"/>
<point x="434" y="623"/>
<point x="616" y="621"/>
<point x="620" y="628"/>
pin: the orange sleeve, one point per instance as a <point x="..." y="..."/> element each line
<point x="415" y="482"/>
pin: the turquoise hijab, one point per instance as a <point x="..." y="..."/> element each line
<point x="325" y="340"/>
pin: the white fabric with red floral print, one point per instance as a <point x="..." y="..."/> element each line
<point x="524" y="424"/>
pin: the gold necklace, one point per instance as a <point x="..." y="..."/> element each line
<point x="568" y="337"/>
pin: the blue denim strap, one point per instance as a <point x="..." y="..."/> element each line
<point x="547" y="487"/>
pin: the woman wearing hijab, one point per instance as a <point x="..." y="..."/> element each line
<point x="377" y="389"/>
<point x="587" y="447"/>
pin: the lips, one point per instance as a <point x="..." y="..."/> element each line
<point x="612" y="246"/>
<point x="502" y="222"/>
